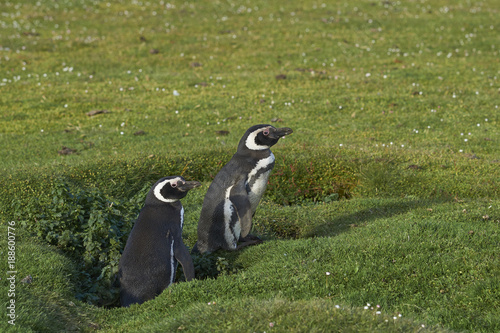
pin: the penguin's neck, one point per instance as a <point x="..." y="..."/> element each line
<point x="153" y="201"/>
<point x="253" y="154"/>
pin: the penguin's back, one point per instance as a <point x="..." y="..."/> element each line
<point x="148" y="264"/>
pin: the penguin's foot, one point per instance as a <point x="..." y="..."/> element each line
<point x="250" y="237"/>
<point x="248" y="240"/>
<point x="248" y="243"/>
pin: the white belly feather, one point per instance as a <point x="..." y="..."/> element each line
<point x="231" y="235"/>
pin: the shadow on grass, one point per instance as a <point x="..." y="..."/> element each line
<point x="370" y="211"/>
<point x="319" y="221"/>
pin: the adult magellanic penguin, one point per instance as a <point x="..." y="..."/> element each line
<point x="233" y="196"/>
<point x="154" y="246"/>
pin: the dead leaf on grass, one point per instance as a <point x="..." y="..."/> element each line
<point x="96" y="112"/>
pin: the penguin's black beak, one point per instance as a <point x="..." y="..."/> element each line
<point x="188" y="186"/>
<point x="280" y="132"/>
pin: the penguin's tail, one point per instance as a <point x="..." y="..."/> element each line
<point x="195" y="250"/>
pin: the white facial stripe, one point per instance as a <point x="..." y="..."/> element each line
<point x="160" y="186"/>
<point x="250" y="141"/>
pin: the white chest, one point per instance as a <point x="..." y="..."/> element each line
<point x="257" y="180"/>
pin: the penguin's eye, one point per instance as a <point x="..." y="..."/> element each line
<point x="174" y="185"/>
<point x="266" y="132"/>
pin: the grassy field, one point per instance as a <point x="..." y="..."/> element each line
<point x="382" y="213"/>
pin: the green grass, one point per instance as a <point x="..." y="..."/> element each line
<point x="390" y="181"/>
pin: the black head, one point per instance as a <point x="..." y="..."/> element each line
<point x="170" y="189"/>
<point x="261" y="137"/>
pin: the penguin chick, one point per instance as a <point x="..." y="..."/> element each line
<point x="154" y="246"/>
<point x="235" y="193"/>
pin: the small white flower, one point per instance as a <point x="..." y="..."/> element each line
<point x="337" y="306"/>
<point x="478" y="125"/>
<point x="41" y="130"/>
<point x="327" y="273"/>
<point x="378" y="312"/>
<point x="176" y="93"/>
<point x="121" y="133"/>
<point x="466" y="140"/>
